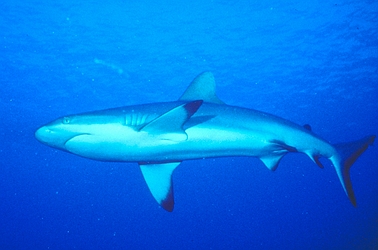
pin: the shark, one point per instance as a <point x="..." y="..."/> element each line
<point x="159" y="136"/>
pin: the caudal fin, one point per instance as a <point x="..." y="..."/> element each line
<point x="343" y="161"/>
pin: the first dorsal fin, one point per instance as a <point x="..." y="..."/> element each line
<point x="202" y="88"/>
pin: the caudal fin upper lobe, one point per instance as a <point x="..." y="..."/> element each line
<point x="347" y="154"/>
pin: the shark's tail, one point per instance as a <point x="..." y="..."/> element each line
<point x="343" y="161"/>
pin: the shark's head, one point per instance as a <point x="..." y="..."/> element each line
<point x="122" y="134"/>
<point x="104" y="135"/>
<point x="57" y="133"/>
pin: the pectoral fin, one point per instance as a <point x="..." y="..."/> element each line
<point x="159" y="180"/>
<point x="169" y="126"/>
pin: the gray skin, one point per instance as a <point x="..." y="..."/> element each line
<point x="159" y="136"/>
<point x="214" y="130"/>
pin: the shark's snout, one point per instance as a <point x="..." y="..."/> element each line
<point x="53" y="137"/>
<point x="43" y="134"/>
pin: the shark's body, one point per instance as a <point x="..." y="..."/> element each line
<point x="160" y="136"/>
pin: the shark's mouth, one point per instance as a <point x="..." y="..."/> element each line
<point x="76" y="138"/>
<point x="79" y="143"/>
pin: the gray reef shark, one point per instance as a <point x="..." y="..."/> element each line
<point x="159" y="136"/>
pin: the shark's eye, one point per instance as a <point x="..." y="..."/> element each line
<point x="66" y="120"/>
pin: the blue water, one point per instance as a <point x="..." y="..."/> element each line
<point x="312" y="62"/>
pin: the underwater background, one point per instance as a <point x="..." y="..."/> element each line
<point x="312" y="62"/>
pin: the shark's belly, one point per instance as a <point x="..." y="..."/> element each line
<point x="201" y="142"/>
